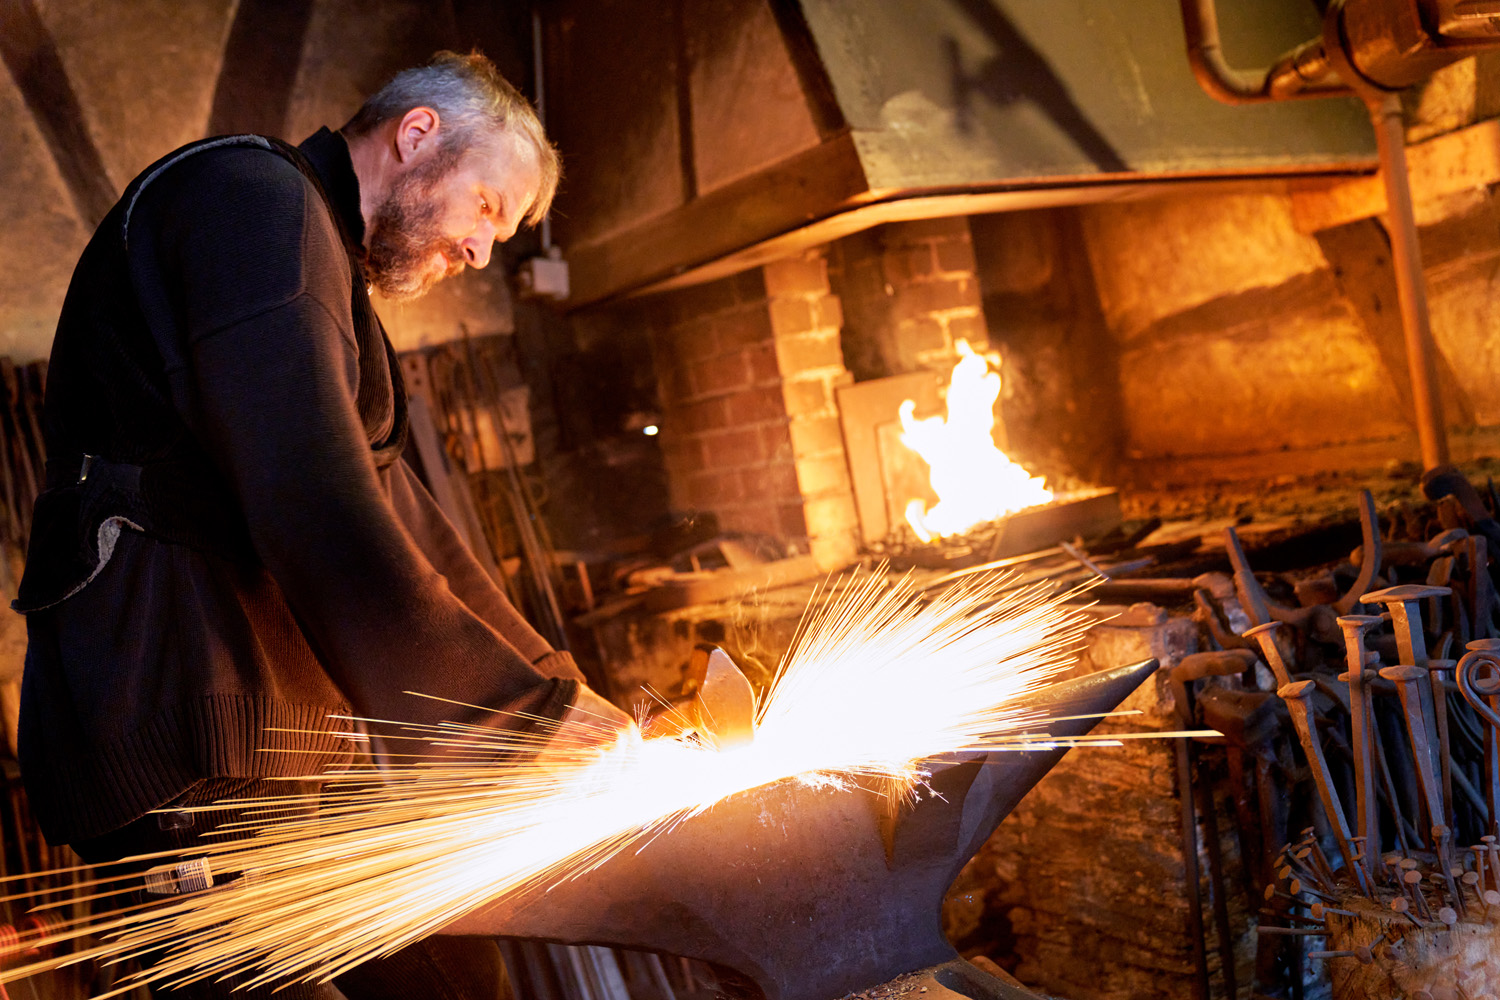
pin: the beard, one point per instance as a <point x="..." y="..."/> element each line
<point x="405" y="236"/>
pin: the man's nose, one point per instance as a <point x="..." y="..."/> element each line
<point x="477" y="248"/>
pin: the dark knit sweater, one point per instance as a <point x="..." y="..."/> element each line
<point x="292" y="569"/>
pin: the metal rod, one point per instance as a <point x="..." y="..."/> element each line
<point x="1190" y="869"/>
<point x="1411" y="290"/>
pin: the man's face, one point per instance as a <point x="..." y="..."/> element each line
<point x="443" y="214"/>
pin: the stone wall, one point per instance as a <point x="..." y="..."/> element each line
<point x="1264" y="325"/>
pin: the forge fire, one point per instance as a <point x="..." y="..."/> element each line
<point x="767" y="499"/>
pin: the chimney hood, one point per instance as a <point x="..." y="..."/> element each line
<point x="703" y="137"/>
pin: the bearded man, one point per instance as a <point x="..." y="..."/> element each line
<point x="228" y="544"/>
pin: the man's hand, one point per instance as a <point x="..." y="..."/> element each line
<point x="590" y="724"/>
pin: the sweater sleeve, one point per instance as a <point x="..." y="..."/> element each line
<point x="450" y="556"/>
<point x="261" y="285"/>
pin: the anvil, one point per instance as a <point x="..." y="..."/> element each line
<point x="814" y="892"/>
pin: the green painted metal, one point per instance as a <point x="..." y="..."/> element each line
<point x="967" y="92"/>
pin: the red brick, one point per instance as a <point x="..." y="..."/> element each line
<point x="717" y="489"/>
<point x="683" y="455"/>
<point x="734" y="449"/>
<point x="743" y="327"/>
<point x="722" y="374"/>
<point x="796" y="276"/>
<point x="796" y="355"/>
<point x="756" y="518"/>
<point x="705" y="415"/>
<point x="904" y="265"/>
<point x="754" y="406"/>
<point x="828" y="312"/>
<point x="827" y="474"/>
<point x="692" y="341"/>
<point x="921" y="334"/>
<point x="816" y="436"/>
<point x="779" y="481"/>
<point x="791" y="316"/>
<point x="748" y="286"/>
<point x="698" y="491"/>
<point x="673" y="385"/>
<point x="970" y="327"/>
<point x="763" y="366"/>
<point x="807" y="397"/>
<point x="956" y="255"/>
<point x="701" y="300"/>
<point x="793" y="520"/>
<point x="777" y="440"/>
<point x="940" y="296"/>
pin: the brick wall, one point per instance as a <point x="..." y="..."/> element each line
<point x="746" y="368"/>
<point x="909" y="291"/>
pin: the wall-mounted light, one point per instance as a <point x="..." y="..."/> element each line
<point x="651" y="430"/>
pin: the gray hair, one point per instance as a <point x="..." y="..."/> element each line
<point x="474" y="104"/>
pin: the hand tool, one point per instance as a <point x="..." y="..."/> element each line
<point x="1371" y="554"/>
<point x="1316" y="620"/>
<point x="1408" y="685"/>
<point x="1298" y="698"/>
<point x="1481" y="591"/>
<point x="1413" y="553"/>
<point x="1483" y="695"/>
<point x="1403" y="602"/>
<point x="788" y="883"/>
<point x="1436" y="669"/>
<point x="1354" y="628"/>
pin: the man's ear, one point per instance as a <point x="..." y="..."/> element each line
<point x="417" y="128"/>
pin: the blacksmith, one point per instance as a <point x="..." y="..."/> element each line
<point x="228" y="543"/>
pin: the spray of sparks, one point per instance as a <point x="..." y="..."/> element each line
<point x="878" y="679"/>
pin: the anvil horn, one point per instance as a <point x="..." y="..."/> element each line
<point x="790" y="884"/>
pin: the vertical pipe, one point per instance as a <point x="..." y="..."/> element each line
<point x="539" y="82"/>
<point x="1406" y="257"/>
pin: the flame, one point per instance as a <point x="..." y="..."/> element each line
<point x="975" y="481"/>
<point x="879" y="679"/>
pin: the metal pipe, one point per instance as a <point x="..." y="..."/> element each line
<point x="1411" y="287"/>
<point x="1302" y="72"/>
<point x="539" y="81"/>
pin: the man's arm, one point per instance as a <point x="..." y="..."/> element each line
<point x="450" y="555"/>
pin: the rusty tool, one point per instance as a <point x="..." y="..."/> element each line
<point x="1298" y="698"/>
<point x="1252" y="595"/>
<point x="1403" y="602"/>
<point x="1316" y="620"/>
<point x="1413" y="553"/>
<point x="1436" y="668"/>
<point x="1370" y="551"/>
<point x="1408" y="681"/>
<point x="789" y="883"/>
<point x="1361" y="713"/>
<point x="1481" y="591"/>
<point x="1478" y="676"/>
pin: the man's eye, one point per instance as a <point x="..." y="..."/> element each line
<point x="484" y="206"/>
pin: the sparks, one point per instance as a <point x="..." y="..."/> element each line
<point x="879" y="678"/>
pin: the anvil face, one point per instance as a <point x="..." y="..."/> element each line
<point x="796" y="886"/>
